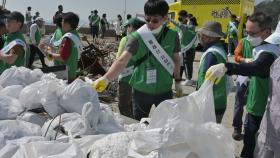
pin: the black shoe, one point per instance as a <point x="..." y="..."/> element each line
<point x="237" y="135"/>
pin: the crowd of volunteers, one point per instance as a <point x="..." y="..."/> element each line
<point x="152" y="58"/>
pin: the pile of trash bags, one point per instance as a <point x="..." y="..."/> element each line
<point x="42" y="116"/>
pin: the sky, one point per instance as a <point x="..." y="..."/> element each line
<point x="112" y="8"/>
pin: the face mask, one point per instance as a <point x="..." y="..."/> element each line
<point x="254" y="41"/>
<point x="157" y="31"/>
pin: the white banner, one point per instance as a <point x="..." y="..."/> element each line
<point x="156" y="49"/>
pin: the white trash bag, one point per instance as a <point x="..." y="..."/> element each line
<point x="184" y="128"/>
<point x="69" y="123"/>
<point x="75" y="95"/>
<point x="197" y="107"/>
<point x="12" y="91"/>
<point x="32" y="118"/>
<point x="115" y="145"/>
<point x="14" y="129"/>
<point x="107" y="123"/>
<point x="9" y="107"/>
<point x="12" y="146"/>
<point x="34" y="94"/>
<point x="2" y="141"/>
<point x="19" y="76"/>
<point x="49" y="149"/>
<point x="78" y="94"/>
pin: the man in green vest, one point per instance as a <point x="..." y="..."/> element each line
<point x="35" y="38"/>
<point x="188" y="41"/>
<point x="214" y="53"/>
<point x="232" y="33"/>
<point x="13" y="53"/>
<point x="124" y="89"/>
<point x="156" y="48"/>
<point x="55" y="41"/>
<point x="258" y="28"/>
<point x="70" y="45"/>
<point x="94" y="22"/>
<point x="242" y="54"/>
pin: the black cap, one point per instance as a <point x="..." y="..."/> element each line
<point x="16" y="16"/>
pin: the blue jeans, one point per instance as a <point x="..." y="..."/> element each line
<point x="142" y="102"/>
<point x="240" y="101"/>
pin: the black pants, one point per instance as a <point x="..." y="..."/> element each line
<point x="125" y="99"/>
<point x="251" y="127"/>
<point x="33" y="51"/>
<point x="188" y="58"/>
<point x="142" y="102"/>
<point x="219" y="115"/>
<point x="95" y="30"/>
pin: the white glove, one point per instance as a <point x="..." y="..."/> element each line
<point x="215" y="73"/>
<point x="178" y="89"/>
<point x="248" y="60"/>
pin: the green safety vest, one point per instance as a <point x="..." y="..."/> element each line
<point x="258" y="94"/>
<point x="231" y="31"/>
<point x="187" y="37"/>
<point x="72" y="61"/>
<point x="94" y="18"/>
<point x="20" y="59"/>
<point x="219" y="90"/>
<point x="130" y="63"/>
<point x="246" y="48"/>
<point x="57" y="36"/>
<point x="163" y="78"/>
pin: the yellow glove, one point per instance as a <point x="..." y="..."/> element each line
<point x="179" y="90"/>
<point x="215" y="73"/>
<point x="100" y="84"/>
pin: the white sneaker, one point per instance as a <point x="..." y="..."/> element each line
<point x="187" y="83"/>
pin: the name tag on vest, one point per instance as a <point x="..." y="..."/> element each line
<point x="159" y="53"/>
<point x="15" y="42"/>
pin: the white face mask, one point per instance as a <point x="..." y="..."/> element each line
<point x="157" y="31"/>
<point x="254" y="41"/>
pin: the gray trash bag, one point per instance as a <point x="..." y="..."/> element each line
<point x="9" y="107"/>
<point x="32" y="118"/>
<point x="115" y="145"/>
<point x="12" y="91"/>
<point x="14" y="129"/>
<point x="74" y="96"/>
<point x="19" y="76"/>
<point x="12" y="146"/>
